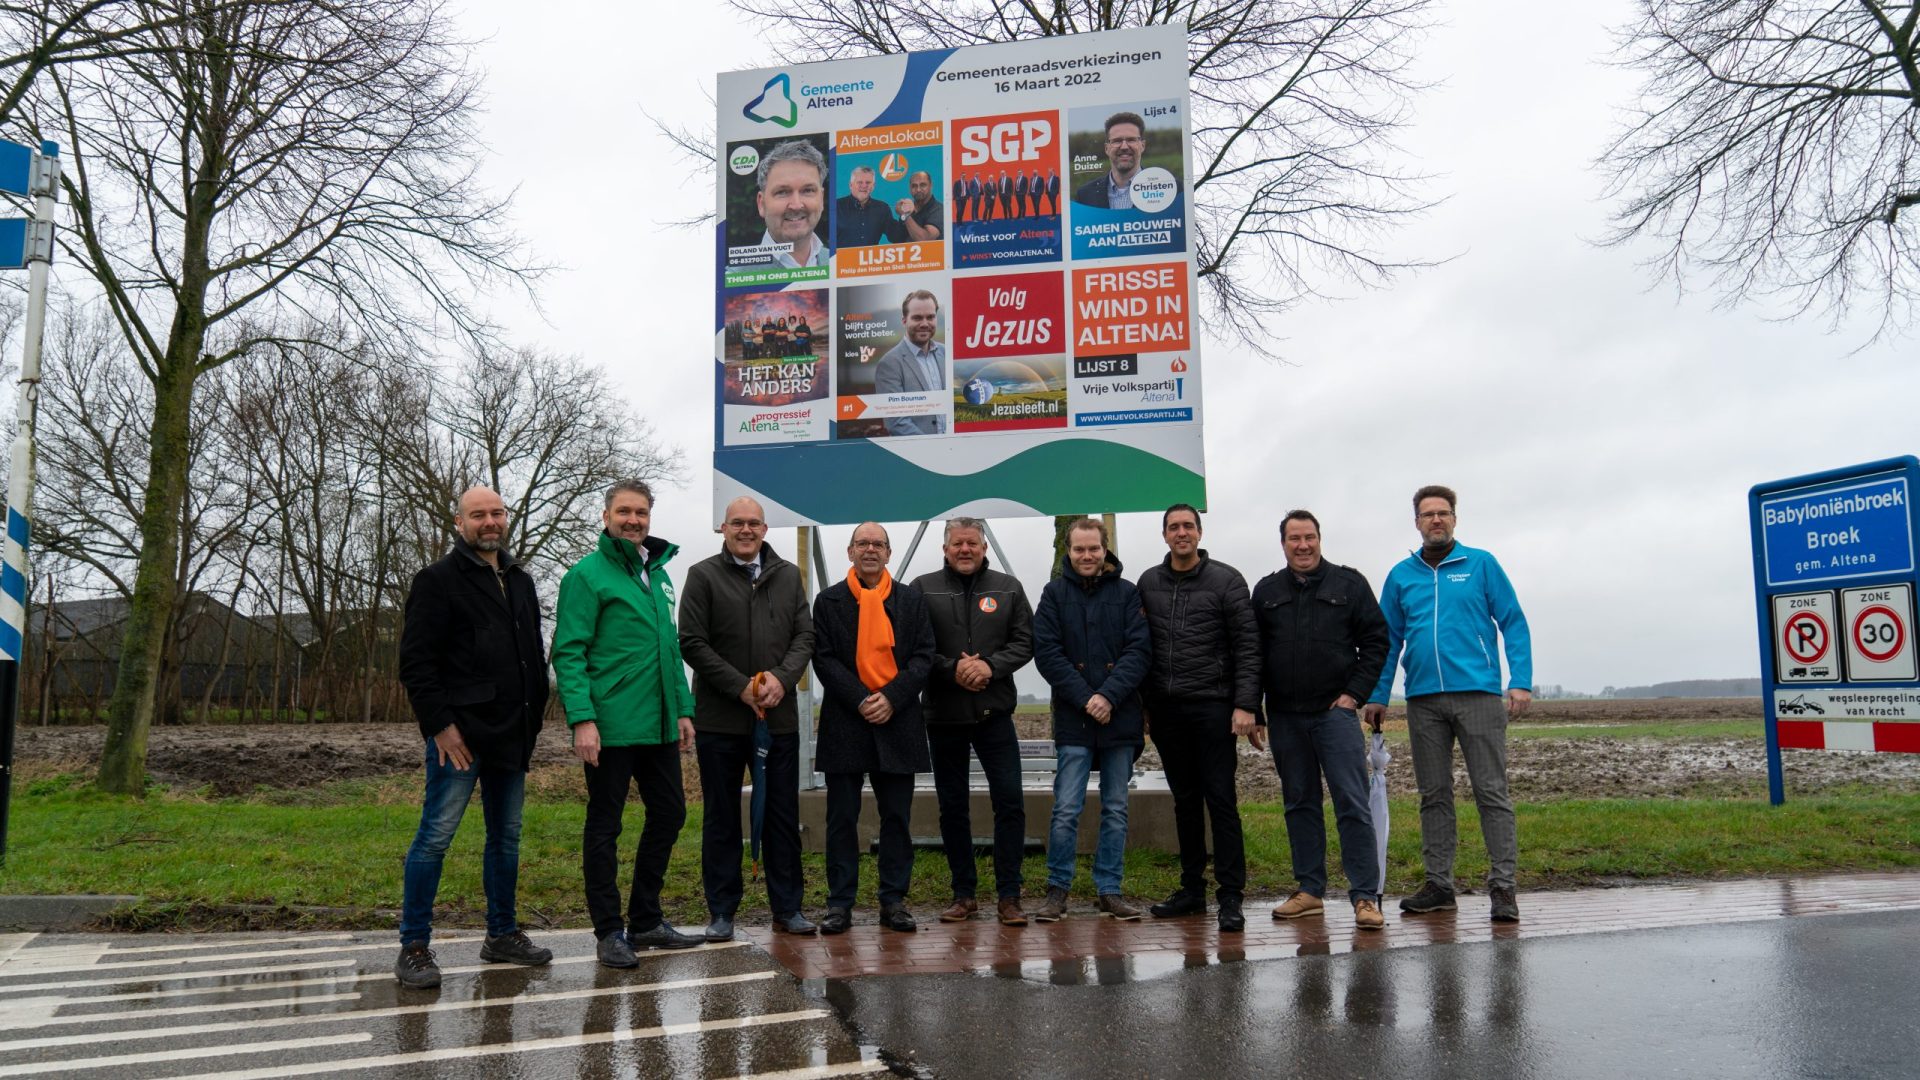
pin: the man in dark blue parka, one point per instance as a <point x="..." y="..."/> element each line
<point x="1091" y="644"/>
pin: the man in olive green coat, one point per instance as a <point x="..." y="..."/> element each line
<point x="616" y="658"/>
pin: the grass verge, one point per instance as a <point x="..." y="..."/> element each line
<point x="333" y="857"/>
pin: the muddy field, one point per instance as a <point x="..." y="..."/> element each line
<point x="227" y="759"/>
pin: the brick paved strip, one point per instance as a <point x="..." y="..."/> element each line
<point x="982" y="944"/>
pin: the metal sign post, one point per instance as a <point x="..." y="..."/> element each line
<point x="29" y="244"/>
<point x="1834" y="576"/>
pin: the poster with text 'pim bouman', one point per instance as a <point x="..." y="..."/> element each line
<point x="958" y="281"/>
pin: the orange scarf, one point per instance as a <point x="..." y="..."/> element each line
<point x="873" y="650"/>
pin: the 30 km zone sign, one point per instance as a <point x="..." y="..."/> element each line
<point x="1879" y="641"/>
<point x="1804" y="638"/>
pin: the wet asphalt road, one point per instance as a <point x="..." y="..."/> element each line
<point x="1827" y="996"/>
<point x="1834" y="996"/>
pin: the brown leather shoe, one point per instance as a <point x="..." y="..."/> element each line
<point x="1055" y="906"/>
<point x="1367" y="916"/>
<point x="1010" y="913"/>
<point x="961" y="910"/>
<point x="1116" y="905"/>
<point x="1300" y="905"/>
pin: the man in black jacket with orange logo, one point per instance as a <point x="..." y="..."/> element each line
<point x="1203" y="694"/>
<point x="1324" y="641"/>
<point x="475" y="670"/>
<point x="982" y="634"/>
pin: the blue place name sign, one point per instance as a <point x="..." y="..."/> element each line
<point x="1856" y="528"/>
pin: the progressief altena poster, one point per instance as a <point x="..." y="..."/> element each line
<point x="958" y="281"/>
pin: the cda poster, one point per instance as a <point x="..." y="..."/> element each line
<point x="958" y="281"/>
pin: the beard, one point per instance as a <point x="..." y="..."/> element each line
<point x="487" y="541"/>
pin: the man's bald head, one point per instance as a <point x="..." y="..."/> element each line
<point x="744" y="528"/>
<point x="481" y="517"/>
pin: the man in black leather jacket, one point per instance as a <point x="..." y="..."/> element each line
<point x="1324" y="642"/>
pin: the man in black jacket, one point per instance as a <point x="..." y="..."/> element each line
<point x="1323" y="641"/>
<point x="873" y="648"/>
<point x="747" y="633"/>
<point x="1203" y="694"/>
<point x="475" y="672"/>
<point x="982" y="634"/>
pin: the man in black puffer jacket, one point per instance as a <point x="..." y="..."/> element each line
<point x="1202" y="695"/>
<point x="1090" y="643"/>
<point x="982" y="634"/>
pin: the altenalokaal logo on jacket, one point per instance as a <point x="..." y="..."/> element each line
<point x="989" y="605"/>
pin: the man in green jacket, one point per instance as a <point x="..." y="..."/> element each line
<point x="616" y="658"/>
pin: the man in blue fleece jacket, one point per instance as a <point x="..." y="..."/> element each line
<point x="1442" y="605"/>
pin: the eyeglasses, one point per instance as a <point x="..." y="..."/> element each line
<point x="1436" y="515"/>
<point x="1127" y="140"/>
<point x="869" y="545"/>
<point x="743" y="523"/>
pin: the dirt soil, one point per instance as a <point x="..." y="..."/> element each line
<point x="232" y="759"/>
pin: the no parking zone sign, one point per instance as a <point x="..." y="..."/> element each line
<point x="1834" y="576"/>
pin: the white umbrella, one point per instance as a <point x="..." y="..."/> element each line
<point x="1377" y="758"/>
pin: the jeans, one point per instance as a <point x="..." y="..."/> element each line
<point x="1199" y="752"/>
<point x="1073" y="764"/>
<point x="893" y="797"/>
<point x="1479" y="721"/>
<point x="655" y="770"/>
<point x="723" y="765"/>
<point x="998" y="746"/>
<point x="1306" y="745"/>
<point x="448" y="792"/>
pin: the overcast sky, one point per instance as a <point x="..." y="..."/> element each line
<point x="1602" y="433"/>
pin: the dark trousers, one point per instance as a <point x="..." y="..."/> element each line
<point x="998" y="746"/>
<point x="723" y="765"/>
<point x="1199" y="753"/>
<point x="655" y="770"/>
<point x="893" y="795"/>
<point x="1329" y="742"/>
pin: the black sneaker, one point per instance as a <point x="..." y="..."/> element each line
<point x="416" y="968"/>
<point x="1431" y="897"/>
<point x="1180" y="903"/>
<point x="514" y="948"/>
<point x="661" y="937"/>
<point x="1505" y="907"/>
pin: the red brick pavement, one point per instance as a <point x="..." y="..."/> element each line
<point x="981" y="944"/>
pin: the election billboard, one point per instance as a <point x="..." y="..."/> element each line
<point x="958" y="281"/>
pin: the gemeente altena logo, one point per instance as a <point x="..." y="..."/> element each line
<point x="766" y="109"/>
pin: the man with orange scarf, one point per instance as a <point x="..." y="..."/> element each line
<point x="873" y="649"/>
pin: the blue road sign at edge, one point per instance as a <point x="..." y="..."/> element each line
<point x="16" y="167"/>
<point x="1857" y="527"/>
<point x="1864" y="509"/>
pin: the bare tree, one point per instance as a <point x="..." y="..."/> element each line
<point x="550" y="434"/>
<point x="1295" y="105"/>
<point x="267" y="157"/>
<point x="1776" y="149"/>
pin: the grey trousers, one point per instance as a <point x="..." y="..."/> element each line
<point x="1479" y="722"/>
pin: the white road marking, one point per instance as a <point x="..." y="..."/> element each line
<point x="522" y="1047"/>
<point x="52" y="958"/>
<point x="126" y="965"/>
<point x="12" y="943"/>
<point x="130" y="1034"/>
<point x="183" y="1010"/>
<point x="329" y="980"/>
<point x="136" y="945"/>
<point x="223" y="973"/>
<point x="819" y="1072"/>
<point x="151" y="1056"/>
